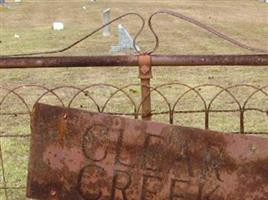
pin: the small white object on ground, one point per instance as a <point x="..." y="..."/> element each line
<point x="58" y="26"/>
<point x="16" y="35"/>
<point x="17" y="1"/>
<point x="84" y="7"/>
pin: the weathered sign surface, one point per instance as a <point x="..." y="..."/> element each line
<point x="90" y="156"/>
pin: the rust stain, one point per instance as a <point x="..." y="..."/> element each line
<point x="62" y="127"/>
<point x="106" y="157"/>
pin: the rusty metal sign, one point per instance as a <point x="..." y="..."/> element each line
<point x="79" y="155"/>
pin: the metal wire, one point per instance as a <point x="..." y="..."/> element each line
<point x="131" y="100"/>
<point x="199" y="25"/>
<point x="87" y="36"/>
<point x="162" y="11"/>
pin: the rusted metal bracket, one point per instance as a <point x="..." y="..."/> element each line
<point x="145" y="67"/>
<point x="145" y="74"/>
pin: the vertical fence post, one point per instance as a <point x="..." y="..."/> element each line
<point x="242" y="121"/>
<point x="145" y="74"/>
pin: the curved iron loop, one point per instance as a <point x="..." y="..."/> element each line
<point x="171" y="104"/>
<point x="89" y="35"/>
<point x="200" y="25"/>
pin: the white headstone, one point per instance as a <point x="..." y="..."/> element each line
<point x="125" y="40"/>
<point x="58" y="26"/>
<point x="106" y="18"/>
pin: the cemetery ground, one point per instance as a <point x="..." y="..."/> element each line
<point x="245" y="20"/>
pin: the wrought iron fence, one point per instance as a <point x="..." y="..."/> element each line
<point x="242" y="108"/>
<point x="125" y="101"/>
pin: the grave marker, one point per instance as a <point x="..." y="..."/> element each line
<point x="125" y="40"/>
<point x="83" y="155"/>
<point x="106" y="19"/>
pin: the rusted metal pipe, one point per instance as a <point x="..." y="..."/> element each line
<point x="199" y="60"/>
<point x="132" y="60"/>
<point x="67" y="61"/>
<point x="145" y="74"/>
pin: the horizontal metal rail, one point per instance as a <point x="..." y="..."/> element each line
<point x="132" y="60"/>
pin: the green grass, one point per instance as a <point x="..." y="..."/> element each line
<point x="245" y="20"/>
